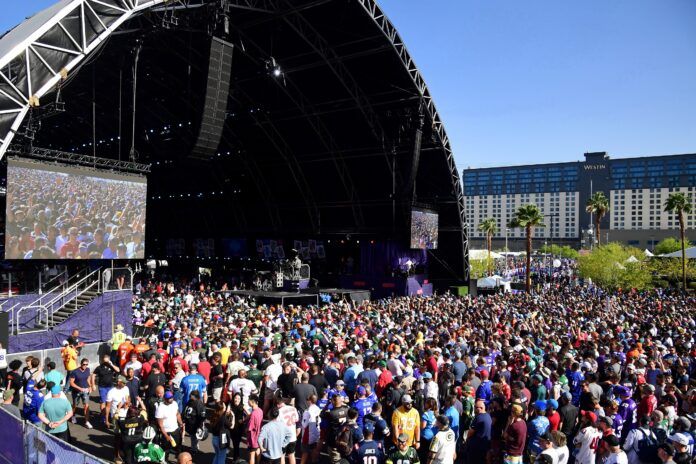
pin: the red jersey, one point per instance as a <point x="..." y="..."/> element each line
<point x="204" y="369"/>
<point x="124" y="352"/>
<point x="554" y="421"/>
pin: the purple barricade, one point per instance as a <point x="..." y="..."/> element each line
<point x="12" y="443"/>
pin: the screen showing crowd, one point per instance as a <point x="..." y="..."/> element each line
<point x="57" y="212"/>
<point x="424" y="229"/>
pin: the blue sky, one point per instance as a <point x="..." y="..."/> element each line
<point x="546" y="80"/>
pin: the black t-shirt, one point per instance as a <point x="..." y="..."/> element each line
<point x="286" y="383"/>
<point x="15" y="382"/>
<point x="320" y="383"/>
<point x="194" y="415"/>
<point x="216" y="382"/>
<point x="153" y="380"/>
<point x="336" y="418"/>
<point x="105" y="375"/>
<point x="569" y="414"/>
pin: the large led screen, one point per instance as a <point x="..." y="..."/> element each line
<point x="424" y="229"/>
<point x="60" y="212"/>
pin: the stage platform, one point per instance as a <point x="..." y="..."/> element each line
<point x="310" y="296"/>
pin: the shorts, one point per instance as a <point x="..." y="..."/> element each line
<point x="290" y="448"/>
<point x="217" y="393"/>
<point x="103" y="391"/>
<point x="267" y="460"/>
<point x="268" y="394"/>
<point x="80" y="397"/>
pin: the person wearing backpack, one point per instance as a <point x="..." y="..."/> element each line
<point x="641" y="444"/>
<point x="194" y="418"/>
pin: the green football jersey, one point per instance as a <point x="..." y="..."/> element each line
<point x="149" y="453"/>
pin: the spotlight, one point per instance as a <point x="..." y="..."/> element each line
<point x="277" y="72"/>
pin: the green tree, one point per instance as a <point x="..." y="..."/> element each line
<point x="479" y="267"/>
<point x="669" y="245"/>
<point x="489" y="227"/>
<point x="610" y="267"/>
<point x="678" y="203"/>
<point x="598" y="205"/>
<point x="528" y="217"/>
<point x="670" y="270"/>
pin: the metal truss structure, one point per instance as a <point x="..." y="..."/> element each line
<point x="48" y="154"/>
<point x="41" y="52"/>
<point x="391" y="33"/>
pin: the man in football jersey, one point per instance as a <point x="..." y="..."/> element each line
<point x="587" y="439"/>
<point x="403" y="453"/>
<point x="193" y="382"/>
<point x="627" y="410"/>
<point x="147" y="452"/>
<point x="288" y="416"/>
<point x="362" y="404"/>
<point x="368" y="451"/>
<point x="443" y="448"/>
<point x="242" y="385"/>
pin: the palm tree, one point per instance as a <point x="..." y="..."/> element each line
<point x="528" y="217"/>
<point x="678" y="203"/>
<point x="597" y="204"/>
<point x="489" y="227"/>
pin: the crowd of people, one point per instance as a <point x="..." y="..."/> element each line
<point x="54" y="215"/>
<point x="571" y="375"/>
<point x="424" y="230"/>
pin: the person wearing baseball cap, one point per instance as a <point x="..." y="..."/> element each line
<point x="586" y="440"/>
<point x="538" y="424"/>
<point x="406" y="420"/>
<point x="116" y="398"/>
<point x="169" y="422"/>
<point x="681" y="442"/>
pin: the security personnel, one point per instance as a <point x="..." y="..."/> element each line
<point x="116" y="339"/>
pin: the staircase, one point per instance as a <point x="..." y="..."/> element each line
<point x="47" y="314"/>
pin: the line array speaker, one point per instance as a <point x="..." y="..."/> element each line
<point x="215" y="106"/>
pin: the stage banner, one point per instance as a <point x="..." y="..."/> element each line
<point x="204" y="248"/>
<point x="176" y="247"/>
<point x="310" y="249"/>
<point x="270" y="248"/>
<point x="11" y="444"/>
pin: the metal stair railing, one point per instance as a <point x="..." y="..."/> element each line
<point x="45" y="310"/>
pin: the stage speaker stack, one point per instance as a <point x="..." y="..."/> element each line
<point x="216" y="95"/>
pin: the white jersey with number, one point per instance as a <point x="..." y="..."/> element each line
<point x="586" y="444"/>
<point x="444" y="446"/>
<point x="288" y="416"/>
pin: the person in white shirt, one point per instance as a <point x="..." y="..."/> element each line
<point x="242" y="385"/>
<point x="270" y="379"/>
<point x="641" y="432"/>
<point x="616" y="454"/>
<point x="546" y="442"/>
<point x="135" y="364"/>
<point x="587" y="439"/>
<point x="117" y="397"/>
<point x="310" y="430"/>
<point x="288" y="416"/>
<point x="443" y="448"/>
<point x="560" y="445"/>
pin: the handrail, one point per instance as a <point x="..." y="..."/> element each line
<point x="77" y="294"/>
<point x="45" y="284"/>
<point x="48" y="307"/>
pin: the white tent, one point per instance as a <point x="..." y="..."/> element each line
<point x="493" y="282"/>
<point x="632" y="259"/>
<point x="647" y="253"/>
<point x="690" y="254"/>
<point x="483" y="254"/>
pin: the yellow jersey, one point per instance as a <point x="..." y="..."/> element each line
<point x="405" y="422"/>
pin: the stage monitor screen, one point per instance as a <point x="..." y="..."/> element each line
<point x="424" y="229"/>
<point x="66" y="212"/>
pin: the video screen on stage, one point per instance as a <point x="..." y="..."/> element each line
<point x="424" y="229"/>
<point x="66" y="212"/>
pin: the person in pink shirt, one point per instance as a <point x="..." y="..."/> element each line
<point x="254" y="428"/>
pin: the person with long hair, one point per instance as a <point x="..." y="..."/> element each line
<point x="428" y="427"/>
<point x="237" y="409"/>
<point x="221" y="423"/>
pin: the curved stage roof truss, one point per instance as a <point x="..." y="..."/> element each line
<point x="39" y="53"/>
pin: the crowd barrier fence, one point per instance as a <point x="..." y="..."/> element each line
<point x="25" y="443"/>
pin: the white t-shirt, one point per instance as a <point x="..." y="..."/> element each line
<point x="273" y="372"/>
<point x="310" y="423"/>
<point x="551" y="452"/>
<point x="168" y="413"/>
<point x="618" y="458"/>
<point x="444" y="446"/>
<point x="288" y="416"/>
<point x="234" y="367"/>
<point x="136" y="365"/>
<point x="562" y="454"/>
<point x="586" y="443"/>
<point x="245" y="387"/>
<point x="117" y="397"/>
<point x="3" y="358"/>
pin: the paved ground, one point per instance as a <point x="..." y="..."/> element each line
<point x="99" y="441"/>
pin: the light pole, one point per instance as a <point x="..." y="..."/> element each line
<point x="506" y="239"/>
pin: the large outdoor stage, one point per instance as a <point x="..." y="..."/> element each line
<point x="310" y="296"/>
